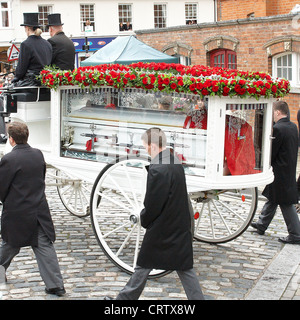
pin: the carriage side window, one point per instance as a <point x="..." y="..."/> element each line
<point x="287" y="66"/>
<point x="243" y="139"/>
<point x="106" y="123"/>
<point x="5" y="17"/>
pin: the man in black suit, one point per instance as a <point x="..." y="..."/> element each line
<point x="63" y="50"/>
<point x="26" y="219"/>
<point x="35" y="53"/>
<point x="167" y="243"/>
<point x="283" y="190"/>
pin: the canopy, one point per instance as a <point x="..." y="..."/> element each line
<point x="127" y="50"/>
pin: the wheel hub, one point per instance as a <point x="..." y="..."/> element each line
<point x="134" y="218"/>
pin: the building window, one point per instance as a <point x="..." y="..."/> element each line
<point x="125" y="17"/>
<point x="186" y="61"/>
<point x="287" y="66"/>
<point x="87" y="16"/>
<point x="44" y="11"/>
<point x="191" y="10"/>
<point x="284" y="67"/>
<point x="5" y="18"/>
<point x="160" y="15"/>
<point x="223" y="58"/>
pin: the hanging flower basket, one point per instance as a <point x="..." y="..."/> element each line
<point x="169" y="78"/>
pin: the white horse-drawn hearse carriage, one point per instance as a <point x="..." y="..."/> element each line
<point x="218" y="122"/>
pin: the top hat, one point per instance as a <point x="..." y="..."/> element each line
<point x="31" y="19"/>
<point x="54" y="20"/>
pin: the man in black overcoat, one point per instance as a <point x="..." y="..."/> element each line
<point x="35" y="53"/>
<point x="167" y="243"/>
<point x="63" y="50"/>
<point x="26" y="219"/>
<point x="283" y="190"/>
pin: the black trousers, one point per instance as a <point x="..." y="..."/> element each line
<point x="289" y="214"/>
<point x="46" y="258"/>
<point x="137" y="282"/>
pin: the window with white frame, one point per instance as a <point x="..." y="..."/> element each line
<point x="125" y="17"/>
<point x="287" y="66"/>
<point x="191" y="13"/>
<point x="186" y="61"/>
<point x="5" y="18"/>
<point x="87" y="16"/>
<point x="44" y="11"/>
<point x="160" y="15"/>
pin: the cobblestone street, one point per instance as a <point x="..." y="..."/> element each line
<point x="226" y="271"/>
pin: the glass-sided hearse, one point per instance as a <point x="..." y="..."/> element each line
<point x="218" y="122"/>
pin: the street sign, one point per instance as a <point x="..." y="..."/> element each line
<point x="13" y="53"/>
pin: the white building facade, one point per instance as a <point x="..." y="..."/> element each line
<point x="104" y="16"/>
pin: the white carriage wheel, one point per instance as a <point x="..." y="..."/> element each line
<point x="116" y="202"/>
<point x="74" y="193"/>
<point x="222" y="215"/>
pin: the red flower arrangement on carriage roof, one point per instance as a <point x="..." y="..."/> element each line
<point x="170" y="77"/>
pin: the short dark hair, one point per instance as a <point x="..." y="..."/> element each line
<point x="156" y="136"/>
<point x="282" y="106"/>
<point x="18" y="131"/>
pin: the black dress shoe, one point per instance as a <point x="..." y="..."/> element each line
<point x="57" y="291"/>
<point x="255" y="226"/>
<point x="288" y="240"/>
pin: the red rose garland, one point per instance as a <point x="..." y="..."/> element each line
<point x="197" y="79"/>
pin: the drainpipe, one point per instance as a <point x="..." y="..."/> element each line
<point x="215" y="10"/>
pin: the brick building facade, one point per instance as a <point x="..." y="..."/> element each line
<point x="240" y="9"/>
<point x="267" y="43"/>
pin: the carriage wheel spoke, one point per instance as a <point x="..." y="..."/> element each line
<point x="121" y="190"/>
<point x="229" y="209"/>
<point x="130" y="184"/>
<point x="120" y="204"/>
<point x="200" y="215"/>
<point x="221" y="216"/>
<point x="116" y="229"/>
<point x="66" y="190"/>
<point x="211" y="220"/>
<point x="70" y="197"/>
<point x="125" y="241"/>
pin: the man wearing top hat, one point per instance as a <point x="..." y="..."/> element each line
<point x="63" y="50"/>
<point x="35" y="53"/>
